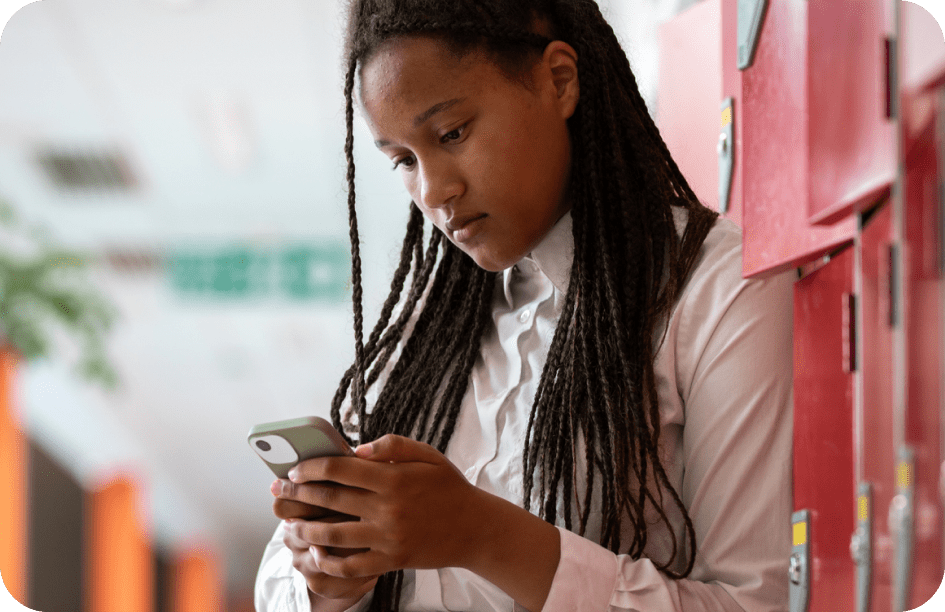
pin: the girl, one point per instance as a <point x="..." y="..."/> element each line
<point x="581" y="405"/>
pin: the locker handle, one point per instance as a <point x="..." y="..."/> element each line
<point x="902" y="528"/>
<point x="861" y="546"/>
<point x="799" y="567"/>
<point x="726" y="151"/>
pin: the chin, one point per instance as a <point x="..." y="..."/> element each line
<point x="491" y="265"/>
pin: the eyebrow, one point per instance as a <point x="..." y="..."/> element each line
<point x="425" y="116"/>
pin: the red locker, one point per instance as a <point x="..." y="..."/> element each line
<point x="835" y="134"/>
<point x="923" y="261"/>
<point x="876" y="457"/>
<point x="795" y="156"/>
<point x="823" y="429"/>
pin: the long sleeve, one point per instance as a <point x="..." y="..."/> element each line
<point x="728" y="354"/>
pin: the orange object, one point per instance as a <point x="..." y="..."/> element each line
<point x="121" y="566"/>
<point x="13" y="458"/>
<point x="197" y="582"/>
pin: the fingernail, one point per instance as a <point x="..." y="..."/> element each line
<point x="293" y="474"/>
<point x="276" y="488"/>
<point x="314" y="552"/>
<point x="364" y="450"/>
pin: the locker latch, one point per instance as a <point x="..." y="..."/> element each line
<point x="726" y="151"/>
<point x="901" y="527"/>
<point x="751" y="14"/>
<point x="799" y="569"/>
<point x="861" y="546"/>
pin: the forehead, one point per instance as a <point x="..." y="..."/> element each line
<point x="404" y="73"/>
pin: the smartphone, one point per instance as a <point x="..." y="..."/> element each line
<point x="283" y="444"/>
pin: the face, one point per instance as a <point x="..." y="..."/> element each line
<point x="484" y="157"/>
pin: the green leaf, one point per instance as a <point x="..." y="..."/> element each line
<point x="28" y="338"/>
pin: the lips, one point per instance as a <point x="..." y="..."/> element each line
<point x="462" y="229"/>
<point x="454" y="224"/>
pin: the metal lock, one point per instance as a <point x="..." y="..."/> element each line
<point x="861" y="546"/>
<point x="796" y="568"/>
<point x="902" y="527"/>
<point x="726" y="150"/>
<point x="799" y="569"/>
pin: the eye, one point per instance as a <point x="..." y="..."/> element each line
<point x="406" y="161"/>
<point x="454" y="135"/>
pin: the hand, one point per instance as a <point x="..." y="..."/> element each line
<point x="414" y="508"/>
<point x="286" y="509"/>
<point x="306" y="557"/>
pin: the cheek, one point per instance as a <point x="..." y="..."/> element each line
<point x="431" y="215"/>
<point x="409" y="183"/>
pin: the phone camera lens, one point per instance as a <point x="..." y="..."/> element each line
<point x="263" y="445"/>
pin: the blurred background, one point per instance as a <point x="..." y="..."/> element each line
<point x="175" y="265"/>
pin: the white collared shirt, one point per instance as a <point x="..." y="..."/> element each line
<point x="724" y="380"/>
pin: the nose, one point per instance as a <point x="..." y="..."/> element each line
<point x="440" y="182"/>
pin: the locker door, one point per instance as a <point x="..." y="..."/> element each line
<point x="876" y="456"/>
<point x="851" y="133"/>
<point x="823" y="433"/>
<point x="813" y="140"/>
<point x="922" y="318"/>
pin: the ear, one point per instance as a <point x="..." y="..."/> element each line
<point x="561" y="60"/>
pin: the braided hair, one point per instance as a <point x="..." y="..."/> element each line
<point x="630" y="265"/>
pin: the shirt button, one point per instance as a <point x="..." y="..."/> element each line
<point x="524" y="316"/>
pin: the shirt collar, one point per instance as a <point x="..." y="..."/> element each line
<point x="553" y="256"/>
<point x="555" y="253"/>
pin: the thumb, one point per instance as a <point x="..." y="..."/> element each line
<point x="398" y="449"/>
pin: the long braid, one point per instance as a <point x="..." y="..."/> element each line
<point x="629" y="267"/>
<point x="357" y="392"/>
<point x="375" y="343"/>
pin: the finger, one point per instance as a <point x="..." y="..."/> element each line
<point x="327" y="586"/>
<point x="330" y="587"/>
<point x="399" y="449"/>
<point x="370" y="563"/>
<point x="291" y="535"/>
<point x="292" y="541"/>
<point x="349" y="471"/>
<point x="363" y="590"/>
<point x="350" y="588"/>
<point x="353" y="534"/>
<point x="328" y="495"/>
<point x="289" y="508"/>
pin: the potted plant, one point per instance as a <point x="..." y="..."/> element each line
<point x="42" y="284"/>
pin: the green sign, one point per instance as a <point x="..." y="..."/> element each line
<point x="305" y="272"/>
